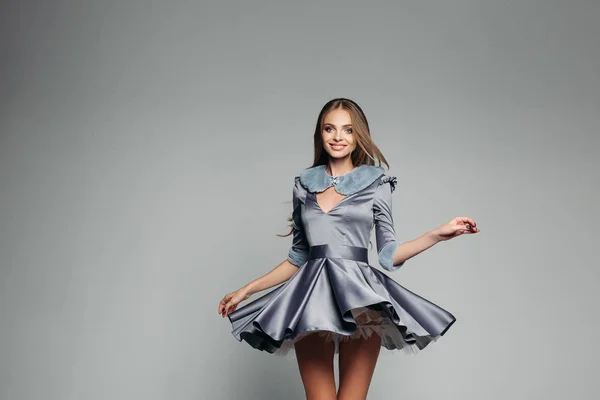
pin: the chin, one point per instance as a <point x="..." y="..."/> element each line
<point x="338" y="154"/>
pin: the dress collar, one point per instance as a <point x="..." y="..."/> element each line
<point x="316" y="179"/>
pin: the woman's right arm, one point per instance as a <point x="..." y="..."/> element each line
<point x="297" y="256"/>
<point x="277" y="275"/>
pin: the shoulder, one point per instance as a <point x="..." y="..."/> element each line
<point x="386" y="184"/>
<point x="299" y="192"/>
<point x="388" y="181"/>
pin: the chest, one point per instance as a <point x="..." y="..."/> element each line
<point x="331" y="217"/>
<point x="328" y="199"/>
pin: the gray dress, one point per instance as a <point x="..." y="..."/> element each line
<point x="335" y="291"/>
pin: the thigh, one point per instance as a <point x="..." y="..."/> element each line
<point x="357" y="360"/>
<point x="315" y="361"/>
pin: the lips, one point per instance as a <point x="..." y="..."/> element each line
<point x="337" y="147"/>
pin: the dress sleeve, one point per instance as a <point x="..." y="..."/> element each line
<point x="385" y="235"/>
<point x="298" y="253"/>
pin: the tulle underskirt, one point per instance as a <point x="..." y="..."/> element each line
<point x="369" y="322"/>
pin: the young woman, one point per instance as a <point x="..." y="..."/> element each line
<point x="333" y="301"/>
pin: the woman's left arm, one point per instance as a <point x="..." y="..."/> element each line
<point x="453" y="228"/>
<point x="392" y="254"/>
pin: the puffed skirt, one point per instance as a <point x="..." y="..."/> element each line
<point x="339" y="296"/>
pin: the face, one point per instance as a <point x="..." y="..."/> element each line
<point x="338" y="135"/>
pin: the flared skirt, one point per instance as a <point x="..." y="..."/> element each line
<point x="339" y="299"/>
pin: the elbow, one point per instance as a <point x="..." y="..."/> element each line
<point x="386" y="256"/>
<point x="297" y="257"/>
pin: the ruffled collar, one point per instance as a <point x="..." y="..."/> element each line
<point x="316" y="179"/>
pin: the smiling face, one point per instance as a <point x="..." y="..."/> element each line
<point x="337" y="133"/>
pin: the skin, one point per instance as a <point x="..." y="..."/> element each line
<point x="357" y="357"/>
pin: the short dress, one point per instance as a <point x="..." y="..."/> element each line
<point x="336" y="292"/>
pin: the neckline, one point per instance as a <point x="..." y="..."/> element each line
<point x="316" y="179"/>
<point x="316" y="201"/>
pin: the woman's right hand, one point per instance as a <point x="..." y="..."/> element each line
<point x="230" y="301"/>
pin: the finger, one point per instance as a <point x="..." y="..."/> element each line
<point x="467" y="220"/>
<point x="232" y="308"/>
<point x="223" y="308"/>
<point x="222" y="303"/>
<point x="460" y="227"/>
<point x="467" y="228"/>
<point x="460" y="221"/>
<point x="472" y="230"/>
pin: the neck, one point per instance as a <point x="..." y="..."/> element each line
<point x="338" y="166"/>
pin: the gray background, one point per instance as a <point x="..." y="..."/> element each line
<point x="147" y="156"/>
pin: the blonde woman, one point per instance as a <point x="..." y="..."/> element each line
<point x="332" y="301"/>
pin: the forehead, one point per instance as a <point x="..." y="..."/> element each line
<point x="337" y="117"/>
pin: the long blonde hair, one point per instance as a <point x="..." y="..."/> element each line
<point x="366" y="151"/>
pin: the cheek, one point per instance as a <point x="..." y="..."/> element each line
<point x="352" y="142"/>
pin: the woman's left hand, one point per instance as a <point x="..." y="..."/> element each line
<point x="455" y="227"/>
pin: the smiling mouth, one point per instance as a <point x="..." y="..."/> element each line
<point x="337" y="146"/>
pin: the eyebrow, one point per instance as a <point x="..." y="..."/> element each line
<point x="327" y="123"/>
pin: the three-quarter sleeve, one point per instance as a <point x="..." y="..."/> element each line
<point x="298" y="252"/>
<point x="385" y="234"/>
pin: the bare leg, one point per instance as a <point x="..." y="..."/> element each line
<point x="357" y="360"/>
<point x="315" y="361"/>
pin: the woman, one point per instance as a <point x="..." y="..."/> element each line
<point x="333" y="301"/>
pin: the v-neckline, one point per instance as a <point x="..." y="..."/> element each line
<point x="332" y="208"/>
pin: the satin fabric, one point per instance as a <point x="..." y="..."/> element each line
<point x="349" y="222"/>
<point x="336" y="292"/>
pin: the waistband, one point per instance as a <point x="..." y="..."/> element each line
<point x="347" y="252"/>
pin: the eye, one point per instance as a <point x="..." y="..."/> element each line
<point x="349" y="130"/>
<point x="328" y="129"/>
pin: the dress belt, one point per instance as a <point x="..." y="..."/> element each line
<point x="347" y="252"/>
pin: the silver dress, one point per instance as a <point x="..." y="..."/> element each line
<point x="336" y="292"/>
